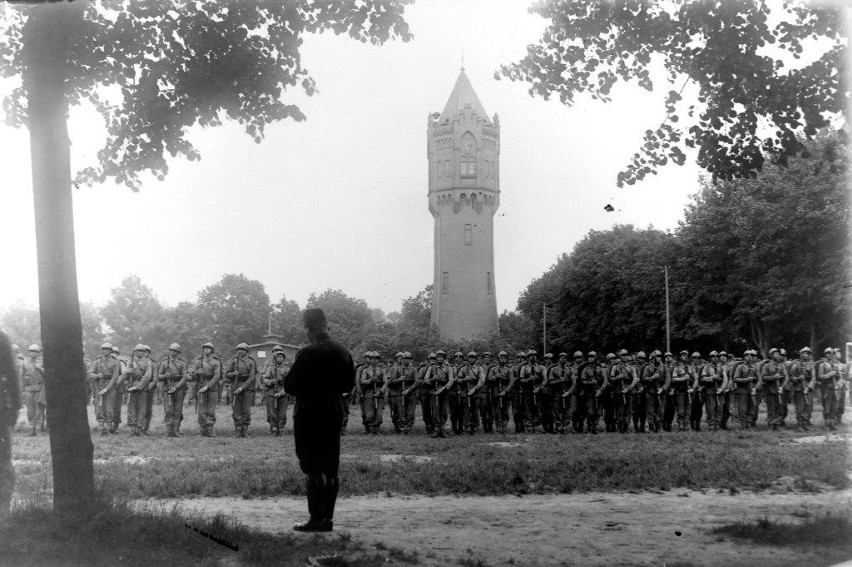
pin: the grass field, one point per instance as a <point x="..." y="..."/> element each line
<point x="259" y="466"/>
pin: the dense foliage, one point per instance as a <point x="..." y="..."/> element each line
<point x="760" y="261"/>
<point x="757" y="96"/>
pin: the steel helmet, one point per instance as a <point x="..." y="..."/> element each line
<point x="175" y="347"/>
<point x="107" y="346"/>
<point x="641" y="354"/>
<point x="578" y="354"/>
<point x="139" y="347"/>
<point x="34" y="347"/>
<point x="243" y="346"/>
<point x="211" y="347"/>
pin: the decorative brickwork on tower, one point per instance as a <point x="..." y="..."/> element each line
<point x="464" y="194"/>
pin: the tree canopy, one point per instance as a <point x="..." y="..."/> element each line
<point x="757" y="96"/>
<point x="169" y="65"/>
<point x="755" y="261"/>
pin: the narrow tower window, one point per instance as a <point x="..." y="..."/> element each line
<point x="468" y="167"/>
<point x="445" y="283"/>
<point x="488" y="281"/>
<point x="468" y="234"/>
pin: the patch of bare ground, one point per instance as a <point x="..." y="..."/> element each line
<point x="599" y="529"/>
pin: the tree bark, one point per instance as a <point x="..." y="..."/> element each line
<point x="47" y="44"/>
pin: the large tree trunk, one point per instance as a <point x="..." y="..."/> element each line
<point x="47" y="41"/>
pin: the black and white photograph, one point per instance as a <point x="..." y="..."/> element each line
<point x="475" y="283"/>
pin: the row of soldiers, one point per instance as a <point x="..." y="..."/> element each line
<point x="561" y="395"/>
<point x="112" y="381"/>
<point x="556" y="396"/>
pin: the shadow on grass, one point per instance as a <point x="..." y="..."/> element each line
<point x="827" y="532"/>
<point x="118" y="534"/>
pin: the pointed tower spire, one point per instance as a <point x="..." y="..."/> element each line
<point x="463" y="97"/>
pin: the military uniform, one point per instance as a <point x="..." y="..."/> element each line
<point x="518" y="410"/>
<point x="172" y="376"/>
<point x="801" y="381"/>
<point x="530" y="378"/>
<point x="591" y="384"/>
<point x="498" y="383"/>
<point x="404" y="380"/>
<point x="544" y="401"/>
<point x="574" y="393"/>
<point x="454" y="397"/>
<point x="636" y="393"/>
<point x="121" y="390"/>
<point x="207" y="370"/>
<point x="423" y="393"/>
<point x="242" y="374"/>
<point x="669" y="400"/>
<point x="439" y="380"/>
<point x="829" y="372"/>
<point x="653" y="379"/>
<point x="275" y="397"/>
<point x="620" y="378"/>
<point x="711" y="378"/>
<point x="138" y="375"/>
<point x="745" y="380"/>
<point x="727" y="369"/>
<point x="32" y="376"/>
<point x="470" y="380"/>
<point x="696" y="392"/>
<point x="681" y="381"/>
<point x="394" y="389"/>
<point x="558" y="381"/>
<point x="104" y="375"/>
<point x="773" y="375"/>
<point x="372" y="388"/>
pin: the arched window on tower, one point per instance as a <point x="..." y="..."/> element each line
<point x="468" y="166"/>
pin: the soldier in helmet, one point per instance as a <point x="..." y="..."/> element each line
<point x="695" y="391"/>
<point x="104" y="375"/>
<point x="172" y="374"/>
<point x="654" y="378"/>
<point x="423" y="391"/>
<point x="485" y="395"/>
<point x="711" y="379"/>
<point x="531" y="377"/>
<point x="636" y="392"/>
<point x="394" y="389"/>
<point x="518" y="409"/>
<point x="439" y="380"/>
<point x="32" y="376"/>
<point x="454" y="396"/>
<point x="773" y="375"/>
<point x="138" y="375"/>
<point x="592" y="384"/>
<point x="471" y="380"/>
<point x="745" y="381"/>
<point x="558" y="379"/>
<point x="842" y="382"/>
<point x="207" y="370"/>
<point x="801" y="381"/>
<point x="276" y="398"/>
<point x="408" y="396"/>
<point x="681" y="381"/>
<point x="726" y="367"/>
<point x="498" y="383"/>
<point x="242" y="372"/>
<point x="19" y="364"/>
<point x="373" y="388"/>
<point x="620" y="378"/>
<point x="829" y="372"/>
<point x="10" y="403"/>
<point x="573" y="394"/>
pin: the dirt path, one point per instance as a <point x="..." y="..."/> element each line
<point x="587" y="529"/>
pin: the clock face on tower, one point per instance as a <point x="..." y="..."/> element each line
<point x="467" y="146"/>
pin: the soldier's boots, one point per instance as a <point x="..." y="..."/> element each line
<point x="33" y="432"/>
<point x="276" y="432"/>
<point x="315" y="488"/>
<point x="170" y="431"/>
<point x="104" y="430"/>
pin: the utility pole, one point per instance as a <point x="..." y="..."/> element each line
<point x="543" y="328"/>
<point x="668" y="326"/>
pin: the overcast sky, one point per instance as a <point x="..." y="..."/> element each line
<point x="340" y="200"/>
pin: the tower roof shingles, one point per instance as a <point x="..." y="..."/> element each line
<point x="463" y="96"/>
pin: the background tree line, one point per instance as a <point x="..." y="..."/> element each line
<point x="760" y="261"/>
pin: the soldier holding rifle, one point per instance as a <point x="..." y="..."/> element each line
<point x="139" y="374"/>
<point x="242" y="373"/>
<point x="801" y="381"/>
<point x="499" y="385"/>
<point x="439" y="379"/>
<point x="172" y="375"/>
<point x="104" y="375"/>
<point x="276" y="397"/>
<point x="207" y="370"/>
<point x="373" y="389"/>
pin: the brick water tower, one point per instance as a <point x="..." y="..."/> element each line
<point x="464" y="193"/>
